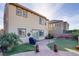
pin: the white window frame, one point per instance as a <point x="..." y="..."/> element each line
<point x="22" y="34"/>
<point x="25" y="14"/>
<point x="18" y="11"/>
<point x="41" y="32"/>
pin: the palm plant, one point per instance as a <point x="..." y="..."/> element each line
<point x="9" y="40"/>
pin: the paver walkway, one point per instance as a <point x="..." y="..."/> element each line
<point x="45" y="51"/>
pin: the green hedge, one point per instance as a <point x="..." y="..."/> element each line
<point x="50" y="36"/>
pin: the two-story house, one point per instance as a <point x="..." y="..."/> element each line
<point x="21" y="20"/>
<point x="57" y="27"/>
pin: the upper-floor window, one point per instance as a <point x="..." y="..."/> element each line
<point x="21" y="12"/>
<point x="53" y="25"/>
<point x="18" y="11"/>
<point x="40" y="20"/>
<point x="24" y="14"/>
<point x="50" y="25"/>
<point x="45" y="23"/>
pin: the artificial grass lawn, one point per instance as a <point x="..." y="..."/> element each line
<point x="20" y="48"/>
<point x="63" y="43"/>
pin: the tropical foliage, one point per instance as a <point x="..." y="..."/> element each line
<point x="9" y="40"/>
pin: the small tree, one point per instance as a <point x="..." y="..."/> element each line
<point x="9" y="40"/>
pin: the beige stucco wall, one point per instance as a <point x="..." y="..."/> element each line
<point x="30" y="22"/>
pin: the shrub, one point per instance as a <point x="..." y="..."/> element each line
<point x="49" y="36"/>
<point x="9" y="40"/>
<point x="75" y="36"/>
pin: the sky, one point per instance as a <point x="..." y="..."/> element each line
<point x="53" y="11"/>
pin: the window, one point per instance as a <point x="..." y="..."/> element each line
<point x="45" y="23"/>
<point x="40" y="20"/>
<point x="41" y="33"/>
<point x="22" y="32"/>
<point x="53" y="25"/>
<point x="24" y="14"/>
<point x="21" y="12"/>
<point x="18" y="11"/>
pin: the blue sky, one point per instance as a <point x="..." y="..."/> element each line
<point x="53" y="11"/>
